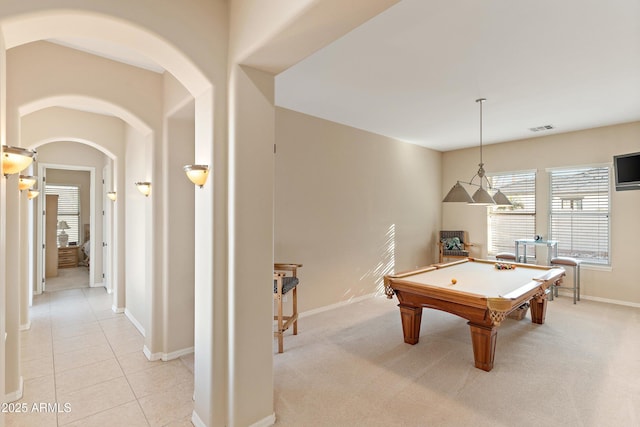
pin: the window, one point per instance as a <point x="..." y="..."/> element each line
<point x="579" y="216"/>
<point x="508" y="223"/>
<point x="68" y="208"/>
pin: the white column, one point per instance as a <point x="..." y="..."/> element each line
<point x="251" y="177"/>
<point x="25" y="247"/>
<point x="13" y="380"/>
<point x="210" y="267"/>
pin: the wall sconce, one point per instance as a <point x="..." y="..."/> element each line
<point x="144" y="188"/>
<point x="32" y="194"/>
<point x="112" y="196"/>
<point x="16" y="159"/>
<point x="198" y="174"/>
<point x="25" y="182"/>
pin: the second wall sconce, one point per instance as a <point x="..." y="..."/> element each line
<point x="198" y="174"/>
<point x="25" y="182"/>
<point x="112" y="196"/>
<point x="144" y="188"/>
<point x="16" y="159"/>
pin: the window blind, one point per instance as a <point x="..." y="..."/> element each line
<point x="68" y="208"/>
<point x="508" y="223"/>
<point x="579" y="215"/>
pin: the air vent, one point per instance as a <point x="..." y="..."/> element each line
<point x="541" y="128"/>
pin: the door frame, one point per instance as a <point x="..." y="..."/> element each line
<point x="40" y="237"/>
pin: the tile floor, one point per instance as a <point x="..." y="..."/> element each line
<point x="68" y="278"/>
<point x="79" y="352"/>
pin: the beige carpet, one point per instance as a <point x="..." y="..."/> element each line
<point x="68" y="278"/>
<point x="350" y="367"/>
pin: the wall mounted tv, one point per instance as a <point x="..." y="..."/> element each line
<point x="627" y="171"/>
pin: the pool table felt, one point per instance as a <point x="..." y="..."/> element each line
<point x="481" y="278"/>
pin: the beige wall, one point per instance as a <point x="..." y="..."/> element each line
<point x="586" y="147"/>
<point x="351" y="206"/>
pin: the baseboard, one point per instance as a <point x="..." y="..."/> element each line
<point x="175" y="354"/>
<point x="338" y="304"/>
<point x="117" y="309"/>
<point x="26" y="326"/>
<point x="195" y="419"/>
<point x="15" y="395"/>
<point x="165" y="357"/>
<point x="135" y="322"/>
<point x="97" y="285"/>
<point x="152" y="357"/>
<point x="569" y="293"/>
<point x="265" y="422"/>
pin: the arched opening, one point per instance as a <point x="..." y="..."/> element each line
<point x="22" y="30"/>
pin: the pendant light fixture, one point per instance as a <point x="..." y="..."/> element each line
<point x="481" y="197"/>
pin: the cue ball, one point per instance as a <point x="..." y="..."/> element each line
<point x="454" y="281"/>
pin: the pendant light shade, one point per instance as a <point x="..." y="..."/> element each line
<point x="458" y="194"/>
<point x="482" y="197"/>
<point x="501" y="199"/>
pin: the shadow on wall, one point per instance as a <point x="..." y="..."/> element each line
<point x="387" y="263"/>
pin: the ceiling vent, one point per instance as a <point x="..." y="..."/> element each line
<point x="541" y="128"/>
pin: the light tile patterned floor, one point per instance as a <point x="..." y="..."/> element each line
<point x="79" y="352"/>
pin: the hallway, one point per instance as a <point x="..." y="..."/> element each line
<point x="80" y="353"/>
<point x="68" y="278"/>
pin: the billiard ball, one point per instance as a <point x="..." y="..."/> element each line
<point x="454" y="281"/>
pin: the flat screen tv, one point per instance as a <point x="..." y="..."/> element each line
<point x="627" y="171"/>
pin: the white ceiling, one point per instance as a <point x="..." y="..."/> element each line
<point x="414" y="71"/>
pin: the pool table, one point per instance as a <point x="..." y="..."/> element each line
<point x="475" y="290"/>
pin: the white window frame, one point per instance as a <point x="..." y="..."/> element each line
<point x="75" y="232"/>
<point x="493" y="248"/>
<point x="568" y="208"/>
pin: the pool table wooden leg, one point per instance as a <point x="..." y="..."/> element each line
<point x="538" y="309"/>
<point x="483" y="339"/>
<point x="411" y="318"/>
